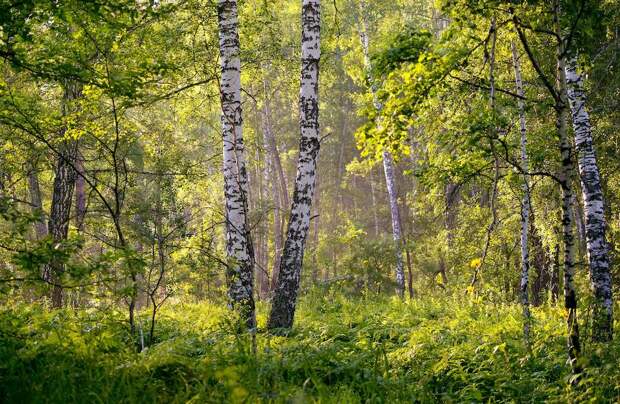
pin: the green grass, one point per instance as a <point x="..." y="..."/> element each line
<point x="341" y="350"/>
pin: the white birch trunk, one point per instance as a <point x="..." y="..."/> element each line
<point x="568" y="219"/>
<point x="240" y="271"/>
<point x="525" y="203"/>
<point x="388" y="167"/>
<point x="590" y="178"/>
<point x="285" y="299"/>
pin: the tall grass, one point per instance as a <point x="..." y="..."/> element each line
<point x="341" y="350"/>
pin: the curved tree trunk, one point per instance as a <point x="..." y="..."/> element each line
<point x="598" y="257"/>
<point x="285" y="299"/>
<point x="239" y="250"/>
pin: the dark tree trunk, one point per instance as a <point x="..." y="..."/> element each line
<point x="60" y="212"/>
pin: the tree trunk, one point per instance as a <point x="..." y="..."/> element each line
<point x="60" y="212"/>
<point x="80" y="194"/>
<point x="285" y="299"/>
<point x="317" y="211"/>
<point x="36" y="201"/>
<point x="525" y="203"/>
<point x="239" y="249"/>
<point x="568" y="220"/>
<point x="279" y="190"/>
<point x="555" y="275"/>
<point x="388" y="167"/>
<point x="589" y="175"/>
<point x="375" y="217"/>
<point x="539" y="261"/>
<point x="273" y="148"/>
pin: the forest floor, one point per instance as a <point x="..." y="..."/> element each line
<point x="363" y="349"/>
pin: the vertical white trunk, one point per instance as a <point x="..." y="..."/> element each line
<point x="388" y="166"/>
<point x="568" y="219"/>
<point x="285" y="299"/>
<point x="525" y="203"/>
<point x="239" y="251"/>
<point x="590" y="178"/>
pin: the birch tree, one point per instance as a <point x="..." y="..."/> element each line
<point x="239" y="251"/>
<point x="560" y="98"/>
<point x="525" y="202"/>
<point x="285" y="299"/>
<point x="590" y="178"/>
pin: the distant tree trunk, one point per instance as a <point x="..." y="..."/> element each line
<point x="555" y="275"/>
<point x="239" y="249"/>
<point x="589" y="175"/>
<point x="273" y="148"/>
<point x="277" y="233"/>
<point x="60" y="212"/>
<point x="581" y="227"/>
<point x="80" y="194"/>
<point x="375" y="217"/>
<point x="388" y="167"/>
<point x="317" y="210"/>
<point x="285" y="299"/>
<point x="540" y="262"/>
<point x="525" y="203"/>
<point x="36" y="201"/>
<point x="279" y="190"/>
<point x="263" y="273"/>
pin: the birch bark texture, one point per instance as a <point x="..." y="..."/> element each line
<point x="589" y="175"/>
<point x="388" y="165"/>
<point x="239" y="250"/>
<point x="525" y="202"/>
<point x="285" y="298"/>
<point x="568" y="219"/>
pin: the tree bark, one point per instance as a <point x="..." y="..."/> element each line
<point x="525" y="202"/>
<point x="60" y="212"/>
<point x="285" y="299"/>
<point x="388" y="167"/>
<point x="589" y="175"/>
<point x="315" y="253"/>
<point x="239" y="249"/>
<point x="36" y="201"/>
<point x="555" y="275"/>
<point x="568" y="220"/>
<point x="80" y="194"/>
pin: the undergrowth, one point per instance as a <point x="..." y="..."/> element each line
<point x="341" y="350"/>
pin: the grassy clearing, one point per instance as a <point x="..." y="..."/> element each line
<point x="371" y="349"/>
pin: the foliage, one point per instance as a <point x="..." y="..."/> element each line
<point x="377" y="349"/>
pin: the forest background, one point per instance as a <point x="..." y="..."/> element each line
<point x="455" y="238"/>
